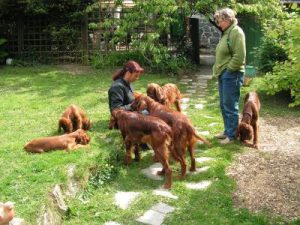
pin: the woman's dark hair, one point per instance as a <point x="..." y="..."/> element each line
<point x="131" y="66"/>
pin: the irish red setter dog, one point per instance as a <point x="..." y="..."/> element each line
<point x="137" y="128"/>
<point x="248" y="127"/>
<point x="72" y="119"/>
<point x="184" y="135"/>
<point x="67" y="142"/>
<point x="167" y="95"/>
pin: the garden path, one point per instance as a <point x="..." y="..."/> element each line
<point x="196" y="86"/>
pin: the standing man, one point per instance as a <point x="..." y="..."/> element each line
<point x="229" y="69"/>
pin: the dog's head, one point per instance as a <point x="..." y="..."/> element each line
<point x="155" y="92"/>
<point x="139" y="103"/>
<point x="81" y="137"/>
<point x="65" y="124"/>
<point x="86" y="124"/>
<point x="244" y="131"/>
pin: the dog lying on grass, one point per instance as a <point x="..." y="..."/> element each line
<point x="62" y="142"/>
<point x="248" y="127"/>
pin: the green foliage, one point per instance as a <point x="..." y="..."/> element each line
<point x="3" y="54"/>
<point x="285" y="75"/>
<point x="268" y="53"/>
<point x="162" y="17"/>
<point x="115" y="59"/>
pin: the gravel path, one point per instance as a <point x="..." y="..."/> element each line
<point x="268" y="179"/>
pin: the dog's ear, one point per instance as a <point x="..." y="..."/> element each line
<point x="86" y="124"/>
<point x="65" y="124"/>
<point x="158" y="95"/>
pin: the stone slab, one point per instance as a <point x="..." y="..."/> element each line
<point x="164" y="193"/>
<point x="200" y="185"/>
<point x="124" y="199"/>
<point x="204" y="159"/>
<point x="151" y="171"/>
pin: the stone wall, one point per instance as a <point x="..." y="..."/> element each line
<point x="209" y="35"/>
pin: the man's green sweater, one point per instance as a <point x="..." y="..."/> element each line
<point x="230" y="57"/>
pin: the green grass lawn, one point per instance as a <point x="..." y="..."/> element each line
<point x="33" y="99"/>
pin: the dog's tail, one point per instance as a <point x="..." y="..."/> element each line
<point x="202" y="139"/>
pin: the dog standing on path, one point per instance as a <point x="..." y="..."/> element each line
<point x="248" y="127"/>
<point x="167" y="95"/>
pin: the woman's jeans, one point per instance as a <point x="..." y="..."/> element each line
<point x="230" y="84"/>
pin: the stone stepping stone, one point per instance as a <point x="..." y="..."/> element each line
<point x="151" y="171"/>
<point x="112" y="223"/>
<point x="124" y="199"/>
<point x="199" y="106"/>
<point x="212" y="124"/>
<point x="205" y="77"/>
<point x="17" y="221"/>
<point x="204" y="159"/>
<point x="156" y="215"/>
<point x="185" y="100"/>
<point x="184" y="106"/>
<point x="186" y="80"/>
<point x="204" y="133"/>
<point x="208" y="117"/>
<point x="199" y="170"/>
<point x="202" y="85"/>
<point x="164" y="193"/>
<point x="191" y="91"/>
<point x="200" y="185"/>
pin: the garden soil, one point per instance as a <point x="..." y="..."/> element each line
<point x="268" y="179"/>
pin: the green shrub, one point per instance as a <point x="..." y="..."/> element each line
<point x="159" y="62"/>
<point x="285" y="75"/>
<point x="268" y="53"/>
<point x="114" y="59"/>
<point x="3" y="54"/>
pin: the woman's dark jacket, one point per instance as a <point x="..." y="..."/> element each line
<point x="120" y="95"/>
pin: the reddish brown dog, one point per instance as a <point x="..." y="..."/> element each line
<point x="167" y="95"/>
<point x="184" y="135"/>
<point x="137" y="128"/>
<point x="248" y="127"/>
<point x="63" y="142"/>
<point x="72" y="119"/>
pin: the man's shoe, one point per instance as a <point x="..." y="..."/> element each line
<point x="221" y="136"/>
<point x="225" y="141"/>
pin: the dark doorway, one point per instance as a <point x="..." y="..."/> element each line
<point x="194" y="32"/>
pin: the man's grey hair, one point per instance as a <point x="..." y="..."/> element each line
<point x="225" y="14"/>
